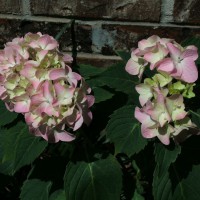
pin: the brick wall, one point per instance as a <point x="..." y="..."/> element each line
<point x="101" y="26"/>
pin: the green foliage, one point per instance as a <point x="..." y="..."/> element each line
<point x="18" y="148"/>
<point x="114" y="77"/>
<point x="188" y="188"/>
<point x="58" y="195"/>
<point x="99" y="180"/>
<point x="137" y="196"/>
<point x="6" y="116"/>
<point x="151" y="170"/>
<point x="162" y="187"/>
<point x="124" y="55"/>
<point x="124" y="131"/>
<point x="91" y="74"/>
<point x="35" y="189"/>
<point x="88" y="71"/>
<point x="117" y="78"/>
<point x="101" y="94"/>
<point x="196" y="117"/>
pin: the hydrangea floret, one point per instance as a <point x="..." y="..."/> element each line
<point x="162" y="96"/>
<point x="36" y="80"/>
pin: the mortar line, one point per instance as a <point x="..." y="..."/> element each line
<point x="93" y="22"/>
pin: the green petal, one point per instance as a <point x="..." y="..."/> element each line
<point x="188" y="92"/>
<point x="162" y="79"/>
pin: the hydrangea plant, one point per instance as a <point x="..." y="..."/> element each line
<point x="82" y="132"/>
<point x="162" y="96"/>
<point x="36" y="80"/>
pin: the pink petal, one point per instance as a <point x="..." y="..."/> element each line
<point x="34" y="44"/>
<point x="144" y="118"/>
<point x="31" y="63"/>
<point x="164" y="139"/>
<point x="28" y="71"/>
<point x="47" y="42"/>
<point x="47" y="91"/>
<point x="41" y="54"/>
<point x="62" y="92"/>
<point x="63" y="136"/>
<point x="190" y="52"/>
<point x="35" y="82"/>
<point x="189" y="73"/>
<point x="52" y="46"/>
<point x="90" y="100"/>
<point x="48" y="109"/>
<point x="140" y="116"/>
<point x="29" y="118"/>
<point x="150" y="42"/>
<point x="147" y="132"/>
<point x="67" y="58"/>
<point x="22" y="106"/>
<point x="137" y="52"/>
<point x="166" y="65"/>
<point x="132" y="67"/>
<point x="57" y="73"/>
<point x="78" y="123"/>
<point x="174" y="51"/>
<point x="143" y="44"/>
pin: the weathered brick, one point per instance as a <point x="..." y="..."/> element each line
<point x="10" y="7"/>
<point x="127" y="37"/>
<point x="187" y="11"/>
<point x="107" y="38"/>
<point x="136" y="10"/>
<point x="10" y="29"/>
<point x="131" y="10"/>
<point x="53" y="7"/>
<point x="83" y="35"/>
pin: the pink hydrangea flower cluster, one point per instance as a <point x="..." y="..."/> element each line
<point x="35" y="80"/>
<point x="163" y="112"/>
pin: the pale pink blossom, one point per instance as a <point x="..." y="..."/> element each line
<point x="35" y="80"/>
<point x="181" y="63"/>
<point x="156" y="56"/>
<point x="150" y="128"/>
<point x="163" y="112"/>
<point x="136" y="65"/>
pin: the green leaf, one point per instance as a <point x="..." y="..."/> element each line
<point x="196" y="117"/>
<point x="6" y="116"/>
<point x="88" y="71"/>
<point x="58" y="195"/>
<point x="35" y="190"/>
<point x="18" y="148"/>
<point x="98" y="180"/>
<point x="137" y="196"/>
<point x="193" y="41"/>
<point x="124" y="55"/>
<point x="117" y="78"/>
<point x="189" y="187"/>
<point x="124" y="131"/>
<point x="164" y="156"/>
<point x="95" y="82"/>
<point x="162" y="187"/>
<point x="101" y="94"/>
